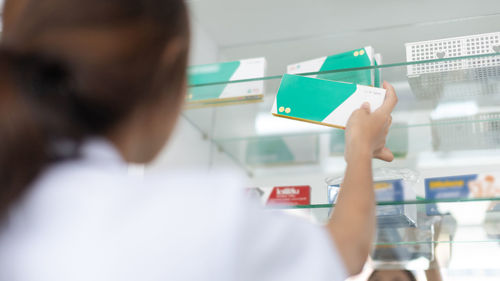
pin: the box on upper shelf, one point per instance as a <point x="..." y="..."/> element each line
<point x="218" y="92"/>
<point x="363" y="57"/>
<point x="275" y="150"/>
<point x="323" y="102"/>
<point x="429" y="80"/>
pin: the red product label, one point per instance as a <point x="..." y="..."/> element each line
<point x="290" y="195"/>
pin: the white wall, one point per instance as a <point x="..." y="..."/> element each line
<point x="189" y="148"/>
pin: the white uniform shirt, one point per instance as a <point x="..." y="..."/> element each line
<point x="87" y="219"/>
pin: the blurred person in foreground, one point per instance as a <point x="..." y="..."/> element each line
<point x="89" y="86"/>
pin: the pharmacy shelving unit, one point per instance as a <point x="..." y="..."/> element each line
<point x="435" y="134"/>
<point x="447" y="122"/>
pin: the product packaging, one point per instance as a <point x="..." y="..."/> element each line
<point x="363" y="57"/>
<point x="281" y="196"/>
<point x="393" y="186"/>
<point x="486" y="185"/>
<point x="377" y="72"/>
<point x="284" y="195"/>
<point x="219" y="92"/>
<point x="273" y="151"/>
<point x="321" y="101"/>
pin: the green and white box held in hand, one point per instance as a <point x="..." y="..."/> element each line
<point x="363" y="57"/>
<point x="323" y="102"/>
<point x="220" y="73"/>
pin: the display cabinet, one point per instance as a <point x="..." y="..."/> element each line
<point x="447" y="123"/>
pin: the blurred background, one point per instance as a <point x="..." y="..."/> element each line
<point x="447" y="123"/>
<point x="438" y="202"/>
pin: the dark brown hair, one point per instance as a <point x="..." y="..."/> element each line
<point x="70" y="69"/>
<point x="409" y="274"/>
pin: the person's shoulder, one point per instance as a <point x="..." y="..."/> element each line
<point x="194" y="185"/>
<point x="199" y="179"/>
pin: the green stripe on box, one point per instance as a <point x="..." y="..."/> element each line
<point x="210" y="73"/>
<point x="348" y="60"/>
<point x="377" y="81"/>
<point x="309" y="98"/>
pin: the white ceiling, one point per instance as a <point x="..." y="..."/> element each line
<point x="288" y="31"/>
<point x="238" y="22"/>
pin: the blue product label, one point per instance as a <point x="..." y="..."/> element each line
<point x="456" y="187"/>
<point x="385" y="191"/>
<point x="389" y="191"/>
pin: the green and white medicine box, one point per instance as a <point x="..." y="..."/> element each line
<point x="323" y="102"/>
<point x="218" y="91"/>
<point x="364" y="57"/>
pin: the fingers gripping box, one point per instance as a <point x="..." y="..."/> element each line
<point x="321" y="101"/>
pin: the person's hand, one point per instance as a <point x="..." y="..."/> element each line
<point x="366" y="131"/>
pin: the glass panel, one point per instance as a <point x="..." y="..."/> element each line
<point x="441" y="119"/>
<point x="417" y="236"/>
<point x="470" y="95"/>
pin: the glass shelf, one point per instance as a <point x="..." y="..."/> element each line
<point x="454" y="97"/>
<point x="446" y="115"/>
<point x="422" y="63"/>
<point x="446" y="123"/>
<point x="441" y="230"/>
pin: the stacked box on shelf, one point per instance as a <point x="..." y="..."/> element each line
<point x="217" y="91"/>
<point x="435" y="80"/>
<point x="364" y="57"/>
<point x="390" y="216"/>
<point x="276" y="150"/>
